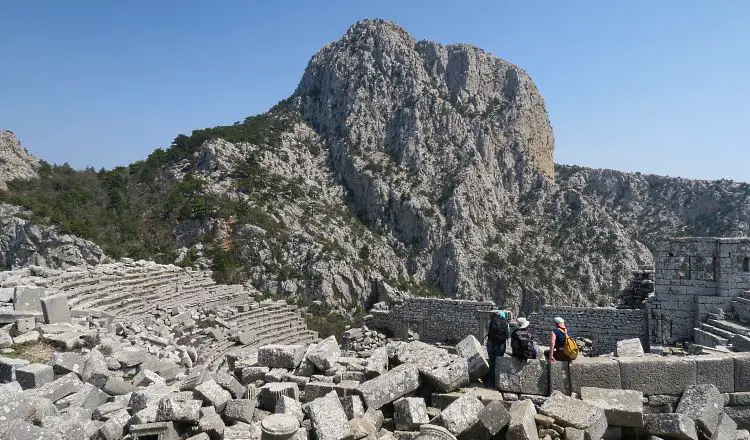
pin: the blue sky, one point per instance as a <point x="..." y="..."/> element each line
<point x="659" y="87"/>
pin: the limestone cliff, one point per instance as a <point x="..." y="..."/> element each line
<point x="15" y="162"/>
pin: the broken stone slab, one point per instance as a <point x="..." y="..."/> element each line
<point x="328" y="418"/>
<point x="629" y="347"/>
<point x="522" y="377"/>
<point x="27" y="337"/>
<point x="8" y="367"/>
<point x="130" y="356"/>
<point x="461" y="414"/>
<point x="179" y="407"/>
<point x="476" y="356"/>
<point x="390" y="386"/>
<point x="116" y="386"/>
<point x="596" y="372"/>
<point x="253" y="374"/>
<point x="291" y="407"/>
<point x="671" y="426"/>
<point x="325" y="353"/>
<point x="28" y="299"/>
<point x="146" y="377"/>
<point x="211" y="423"/>
<point x="490" y="421"/>
<point x="95" y="370"/>
<point x="213" y="394"/>
<point x="280" y="356"/>
<point x="34" y="375"/>
<point x="240" y="410"/>
<point x="622" y="407"/>
<point x="275" y="375"/>
<point x="703" y="404"/>
<point x="442" y="370"/>
<point x="521" y="425"/>
<point x="55" y="309"/>
<point x="150" y="395"/>
<point x="87" y="396"/>
<point x="230" y="383"/>
<point x="60" y="387"/>
<point x="568" y="411"/>
<point x="409" y="413"/>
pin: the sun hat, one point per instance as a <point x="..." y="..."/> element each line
<point x="559" y="320"/>
<point x="522" y="322"/>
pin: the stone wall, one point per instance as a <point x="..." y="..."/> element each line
<point x="604" y="326"/>
<point x="694" y="276"/>
<point x="435" y="320"/>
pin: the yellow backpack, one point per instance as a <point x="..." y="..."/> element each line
<point x="569" y="348"/>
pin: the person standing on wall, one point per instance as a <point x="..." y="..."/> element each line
<point x="562" y="346"/>
<point x="497" y="337"/>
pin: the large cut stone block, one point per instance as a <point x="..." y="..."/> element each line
<point x="559" y="377"/>
<point x="213" y="394"/>
<point x="8" y="367"/>
<point x="377" y="363"/>
<point x="568" y="411"/>
<point x="328" y="418"/>
<point x="34" y="375"/>
<point x="179" y="408"/>
<point x="56" y="309"/>
<point x="324" y="354"/>
<point x="409" y="413"/>
<point x="622" y="407"/>
<point x="742" y="372"/>
<point x="390" y="386"/>
<point x="629" y="347"/>
<point x="461" y="414"/>
<point x="522" y="377"/>
<point x="490" y="421"/>
<point x="314" y="390"/>
<point x="671" y="426"/>
<point x="702" y="403"/>
<point x="522" y="425"/>
<point x="241" y="410"/>
<point x="28" y="299"/>
<point x="717" y="370"/>
<point x="740" y="414"/>
<point x="439" y="368"/>
<point x="280" y="356"/>
<point x="270" y="393"/>
<point x="476" y="356"/>
<point x="598" y="372"/>
<point x="657" y="375"/>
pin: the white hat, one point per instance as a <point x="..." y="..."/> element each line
<point x="522" y="322"/>
<point x="559" y="320"/>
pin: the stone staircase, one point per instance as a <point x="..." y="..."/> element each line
<point x="729" y="329"/>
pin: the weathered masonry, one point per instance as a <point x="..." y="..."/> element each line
<point x="696" y="277"/>
<point x="434" y="320"/>
<point x="603" y="325"/>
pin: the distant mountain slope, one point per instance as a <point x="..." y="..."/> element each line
<point x="15" y="162"/>
<point x="424" y="166"/>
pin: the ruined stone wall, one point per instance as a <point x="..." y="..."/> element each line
<point x="435" y="320"/>
<point x="604" y="326"/>
<point x="694" y="276"/>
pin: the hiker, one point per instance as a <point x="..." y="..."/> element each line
<point x="497" y="337"/>
<point x="522" y="341"/>
<point x="562" y="346"/>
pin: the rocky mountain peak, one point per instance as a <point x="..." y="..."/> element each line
<point x="15" y="162"/>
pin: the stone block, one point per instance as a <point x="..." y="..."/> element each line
<point x="60" y="387"/>
<point x="522" y="377"/>
<point x="388" y="387"/>
<point x="657" y="375"/>
<point x="314" y="390"/>
<point x="353" y="406"/>
<point x="271" y="392"/>
<point x="130" y="356"/>
<point x="621" y="407"/>
<point x="568" y="411"/>
<point x="598" y="372"/>
<point x="230" y="383"/>
<point x="24" y="325"/>
<point x="740" y="414"/>
<point x="328" y="418"/>
<point x="522" y="425"/>
<point x="159" y="430"/>
<point x="289" y="406"/>
<point x="717" y="370"/>
<point x="629" y="347"/>
<point x="28" y="299"/>
<point x="213" y="394"/>
<point x="179" y="408"/>
<point x="490" y="421"/>
<point x="461" y="414"/>
<point x="671" y="426"/>
<point x="571" y="433"/>
<point x="280" y="356"/>
<point x="211" y="423"/>
<point x="325" y="353"/>
<point x="443" y="371"/>
<point x="703" y="404"/>
<point x="34" y="375"/>
<point x="240" y="410"/>
<point x="377" y="363"/>
<point x="742" y="372"/>
<point x="726" y="428"/>
<point x="146" y="377"/>
<point x="253" y="374"/>
<point x="56" y="309"/>
<point x="116" y="386"/>
<point x="409" y="413"/>
<point x="67" y="362"/>
<point x="476" y="356"/>
<point x="559" y="377"/>
<point x="8" y="367"/>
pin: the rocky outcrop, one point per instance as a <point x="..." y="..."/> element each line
<point x="15" y="162"/>
<point x="23" y="243"/>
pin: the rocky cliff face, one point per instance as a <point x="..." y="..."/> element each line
<point x="15" y="162"/>
<point x="23" y="243"/>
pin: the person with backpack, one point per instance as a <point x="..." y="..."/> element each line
<point x="522" y="341"/>
<point x="497" y="338"/>
<point x="562" y="346"/>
